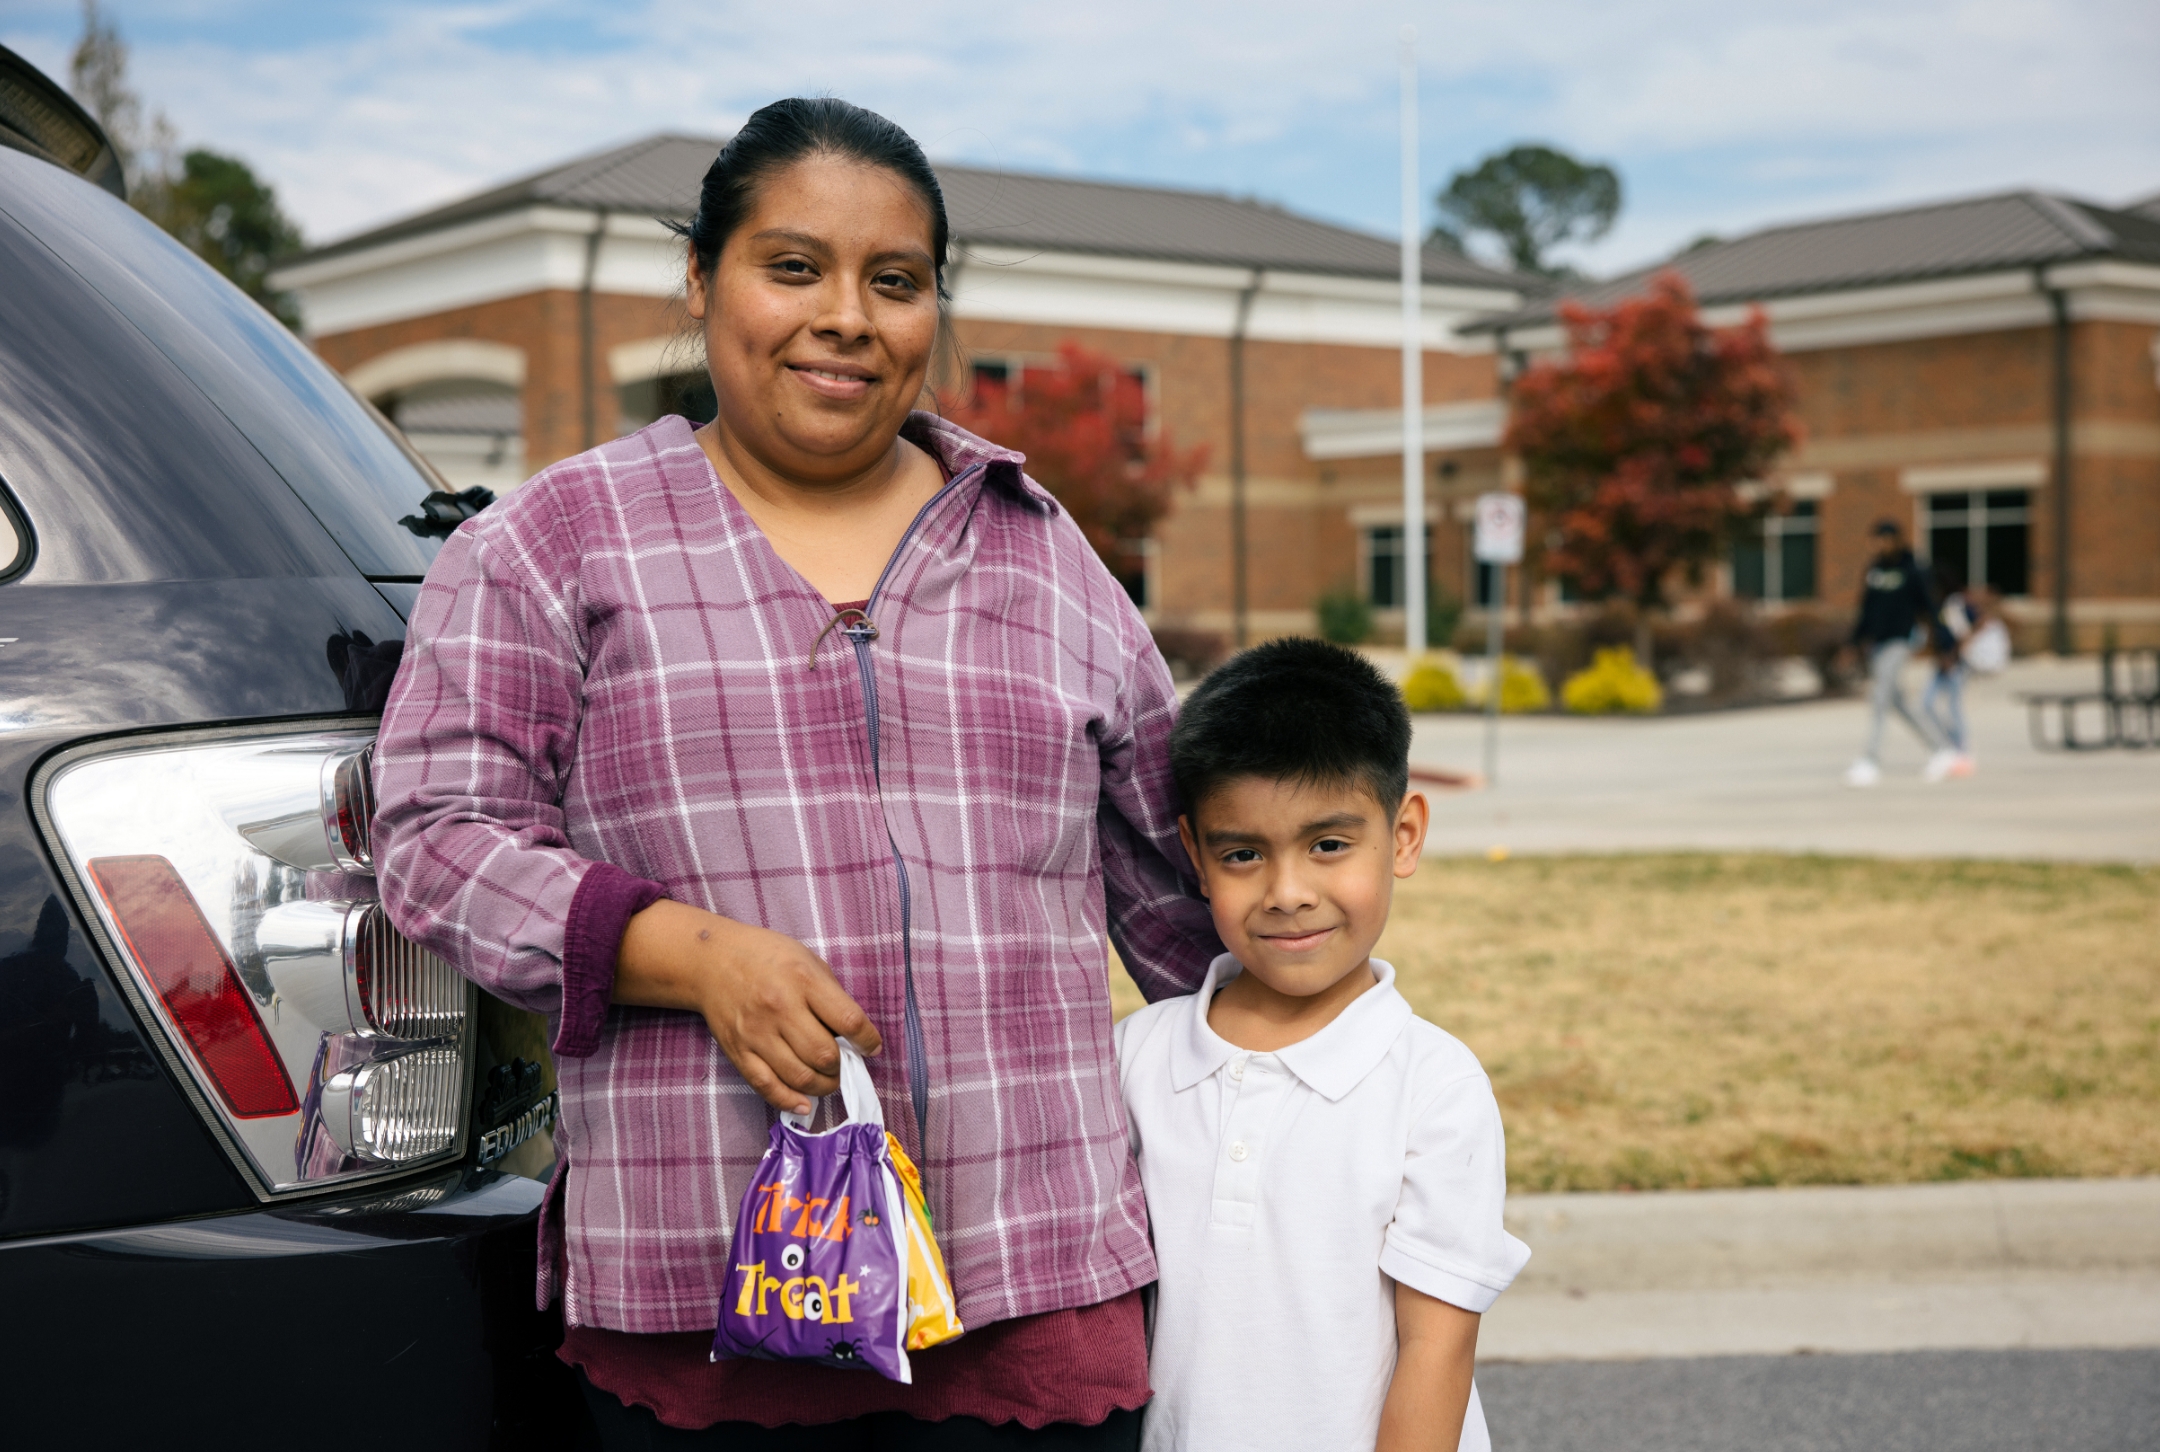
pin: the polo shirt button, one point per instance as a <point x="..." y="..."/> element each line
<point x="1237" y="1068"/>
<point x="1238" y="1152"/>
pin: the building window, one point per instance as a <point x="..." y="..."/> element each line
<point x="1775" y="559"/>
<point x="1383" y="552"/>
<point x="993" y="381"/>
<point x="1136" y="571"/>
<point x="1381" y="567"/>
<point x="1487" y="580"/>
<point x="688" y="394"/>
<point x="1003" y="381"/>
<point x="1983" y="538"/>
<point x="471" y="430"/>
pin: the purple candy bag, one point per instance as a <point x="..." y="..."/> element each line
<point x="819" y="1267"/>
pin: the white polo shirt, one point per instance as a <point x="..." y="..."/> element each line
<point x="1288" y="1192"/>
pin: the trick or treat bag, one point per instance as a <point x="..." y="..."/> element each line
<point x="821" y="1264"/>
<point x="932" y="1314"/>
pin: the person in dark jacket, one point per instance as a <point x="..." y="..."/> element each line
<point x="1895" y="604"/>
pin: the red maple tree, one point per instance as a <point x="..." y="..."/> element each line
<point x="1635" y="441"/>
<point x="1083" y="424"/>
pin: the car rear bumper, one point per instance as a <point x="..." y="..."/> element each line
<point x="403" y="1315"/>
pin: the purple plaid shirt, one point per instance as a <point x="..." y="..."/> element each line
<point x="613" y="688"/>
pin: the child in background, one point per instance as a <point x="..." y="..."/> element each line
<point x="1324" y="1170"/>
<point x="1950" y="632"/>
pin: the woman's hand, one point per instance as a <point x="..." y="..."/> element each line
<point x="773" y="1005"/>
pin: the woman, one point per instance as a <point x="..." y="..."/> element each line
<point x="821" y="720"/>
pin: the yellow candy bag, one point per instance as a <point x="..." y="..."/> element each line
<point x="935" y="1316"/>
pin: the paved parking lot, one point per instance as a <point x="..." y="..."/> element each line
<point x="1771" y="778"/>
<point x="1924" y="1401"/>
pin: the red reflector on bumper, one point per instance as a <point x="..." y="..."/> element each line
<point x="175" y="948"/>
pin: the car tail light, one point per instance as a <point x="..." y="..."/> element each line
<point x="195" y="981"/>
<point x="348" y="787"/>
<point x="398" y="989"/>
<point x="396" y="1110"/>
<point x="350" y="972"/>
<point x="232" y="878"/>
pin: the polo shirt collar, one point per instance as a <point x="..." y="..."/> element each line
<point x="1331" y="1062"/>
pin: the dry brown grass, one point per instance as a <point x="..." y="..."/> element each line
<point x="1669" y="1020"/>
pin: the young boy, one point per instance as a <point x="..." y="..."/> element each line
<point x="1324" y="1170"/>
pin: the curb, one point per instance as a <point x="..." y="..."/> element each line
<point x="1840" y="1269"/>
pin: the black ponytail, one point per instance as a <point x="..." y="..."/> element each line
<point x="782" y="134"/>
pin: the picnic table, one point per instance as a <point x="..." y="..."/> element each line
<point x="2124" y="712"/>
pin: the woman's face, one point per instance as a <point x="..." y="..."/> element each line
<point x="820" y="318"/>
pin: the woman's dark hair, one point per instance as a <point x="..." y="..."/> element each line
<point x="782" y="134"/>
<point x="1293" y="710"/>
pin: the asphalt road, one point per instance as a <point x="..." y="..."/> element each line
<point x="1922" y="1401"/>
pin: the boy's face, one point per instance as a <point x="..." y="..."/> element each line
<point x="1299" y="876"/>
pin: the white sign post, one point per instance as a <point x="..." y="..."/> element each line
<point x="1498" y="542"/>
<point x="1415" y="565"/>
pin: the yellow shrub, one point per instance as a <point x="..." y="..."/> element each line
<point x="1522" y="688"/>
<point x="1613" y="682"/>
<point x="1431" y="686"/>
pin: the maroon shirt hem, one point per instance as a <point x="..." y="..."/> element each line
<point x="1077" y="1365"/>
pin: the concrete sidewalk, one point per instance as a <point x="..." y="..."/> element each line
<point x="1979" y="1264"/>
<point x="1771" y="779"/>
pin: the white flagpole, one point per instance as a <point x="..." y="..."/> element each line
<point x="1413" y="364"/>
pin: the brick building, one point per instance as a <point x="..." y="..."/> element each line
<point x="1984" y="370"/>
<point x="518" y="326"/>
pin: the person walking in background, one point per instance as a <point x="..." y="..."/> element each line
<point x="1950" y="631"/>
<point x="1987" y="649"/>
<point x="1894" y="605"/>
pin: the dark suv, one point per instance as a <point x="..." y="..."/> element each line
<point x="268" y="1172"/>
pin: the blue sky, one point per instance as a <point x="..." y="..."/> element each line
<point x="1720" y="117"/>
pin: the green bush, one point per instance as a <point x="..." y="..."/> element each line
<point x="1345" y="618"/>
<point x="1431" y="686"/>
<point x="1613" y="682"/>
<point x="1443" y="612"/>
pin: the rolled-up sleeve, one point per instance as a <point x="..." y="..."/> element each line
<point x="1447" y="1238"/>
<point x="473" y="859"/>
<point x="1159" y="923"/>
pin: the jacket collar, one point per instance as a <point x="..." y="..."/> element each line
<point x="1332" y="1062"/>
<point x="958" y="451"/>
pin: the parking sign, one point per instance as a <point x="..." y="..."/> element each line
<point x="1499" y="529"/>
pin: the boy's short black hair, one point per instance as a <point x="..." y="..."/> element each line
<point x="1293" y="710"/>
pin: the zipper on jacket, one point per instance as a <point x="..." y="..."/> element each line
<point x="860" y="631"/>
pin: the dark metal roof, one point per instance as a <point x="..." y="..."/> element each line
<point x="659" y="176"/>
<point x="1012" y="209"/>
<point x="2013" y="231"/>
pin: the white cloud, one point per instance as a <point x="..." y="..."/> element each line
<point x="1718" y="115"/>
